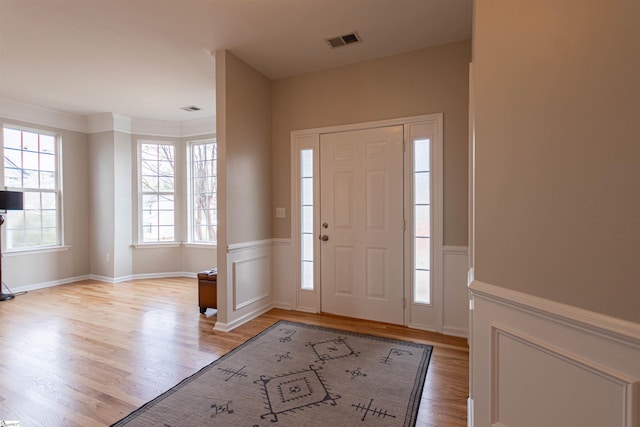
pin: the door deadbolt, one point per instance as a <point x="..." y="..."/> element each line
<point x="325" y="225"/>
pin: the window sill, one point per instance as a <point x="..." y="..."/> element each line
<point x="35" y="251"/>
<point x="200" y="245"/>
<point x="156" y="245"/>
<point x="174" y="245"/>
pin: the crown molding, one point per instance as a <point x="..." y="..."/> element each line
<point x="174" y="129"/>
<point x="105" y="122"/>
<point x="108" y="122"/>
<point x="197" y="127"/>
<point x="35" y="114"/>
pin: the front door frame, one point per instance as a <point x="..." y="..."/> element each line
<point x="420" y="316"/>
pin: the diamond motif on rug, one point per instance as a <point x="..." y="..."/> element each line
<point x="294" y="391"/>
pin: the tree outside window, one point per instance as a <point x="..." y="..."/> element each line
<point x="203" y="192"/>
<point x="157" y="184"/>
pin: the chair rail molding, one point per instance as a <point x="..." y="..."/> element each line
<point x="540" y="362"/>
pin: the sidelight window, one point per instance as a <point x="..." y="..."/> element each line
<point x="422" y="221"/>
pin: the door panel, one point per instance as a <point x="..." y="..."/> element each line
<point x="361" y="202"/>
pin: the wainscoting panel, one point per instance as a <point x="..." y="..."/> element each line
<point x="284" y="287"/>
<point x="248" y="285"/>
<point x="248" y="282"/>
<point x="455" y="305"/>
<point x="539" y="363"/>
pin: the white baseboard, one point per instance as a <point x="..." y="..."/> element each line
<point x="455" y="331"/>
<point x="227" y="327"/>
<point x="42" y="285"/>
<point x="99" y="278"/>
<point x="141" y="276"/>
<point x="282" y="305"/>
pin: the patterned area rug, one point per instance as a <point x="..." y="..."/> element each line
<point x="293" y="374"/>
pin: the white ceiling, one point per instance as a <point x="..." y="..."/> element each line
<point x="148" y="58"/>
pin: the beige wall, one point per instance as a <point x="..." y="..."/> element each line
<point x="74" y="262"/>
<point x="248" y="153"/>
<point x="101" y="202"/>
<point x="557" y="104"/>
<point x="427" y="81"/>
<point x="122" y="237"/>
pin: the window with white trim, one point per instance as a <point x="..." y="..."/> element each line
<point x="157" y="192"/>
<point x="31" y="166"/>
<point x="306" y="216"/>
<point x="422" y="221"/>
<point x="203" y="186"/>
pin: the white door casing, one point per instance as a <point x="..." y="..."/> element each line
<point x="361" y="216"/>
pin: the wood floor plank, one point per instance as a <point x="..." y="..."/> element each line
<point x="86" y="354"/>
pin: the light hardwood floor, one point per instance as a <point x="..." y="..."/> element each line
<point x="88" y="353"/>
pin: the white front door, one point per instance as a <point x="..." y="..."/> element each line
<point x="361" y="217"/>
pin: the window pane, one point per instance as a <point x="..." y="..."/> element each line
<point x="30" y="141"/>
<point x="423" y="221"/>
<point x="48" y="236"/>
<point x="422" y="253"/>
<point x="157" y="172"/>
<point x="307" y="191"/>
<point x="307" y="219"/>
<point x="150" y="233"/>
<point x="165" y="218"/>
<point x="149" y="218"/>
<point x="15" y="238"/>
<point x="203" y="192"/>
<point x="30" y="161"/>
<point x="30" y="179"/>
<point x="49" y="219"/>
<point x="12" y="139"/>
<point x="421" y="155"/>
<point x="48" y="162"/>
<point x="13" y="178"/>
<point x="33" y="219"/>
<point x="306" y="213"/>
<point x="48" y="180"/>
<point x="422" y="188"/>
<point x="12" y="158"/>
<point x="47" y="144"/>
<point x="307" y="275"/>
<point x="165" y="202"/>
<point x="31" y="201"/>
<point x="165" y="184"/>
<point x="307" y="247"/>
<point x="48" y="200"/>
<point x="166" y="233"/>
<point x="422" y="287"/>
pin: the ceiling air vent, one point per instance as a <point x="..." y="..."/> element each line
<point x="191" y="108"/>
<point x="344" y="40"/>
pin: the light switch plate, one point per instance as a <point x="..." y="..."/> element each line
<point x="280" y="213"/>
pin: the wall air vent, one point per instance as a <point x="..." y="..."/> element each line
<point x="344" y="40"/>
<point x="191" y="108"/>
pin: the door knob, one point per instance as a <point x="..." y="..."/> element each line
<point x="324" y="238"/>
